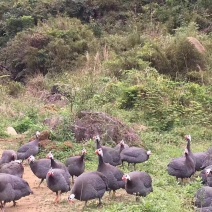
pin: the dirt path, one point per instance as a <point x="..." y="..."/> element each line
<point x="43" y="198"/>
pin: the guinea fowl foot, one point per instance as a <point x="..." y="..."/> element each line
<point x="14" y="203"/>
<point x="57" y="199"/>
<point x="40" y="183"/>
<point x="137" y="199"/>
<point x="85" y="205"/>
<point x="113" y="195"/>
<point x="100" y="205"/>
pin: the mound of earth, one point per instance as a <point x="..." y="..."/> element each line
<point x="110" y="129"/>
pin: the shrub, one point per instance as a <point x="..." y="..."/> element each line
<point x="54" y="46"/>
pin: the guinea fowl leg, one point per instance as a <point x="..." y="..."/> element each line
<point x="41" y="182"/>
<point x="56" y="199"/>
<point x="59" y="197"/>
<point x="134" y="166"/>
<point x="85" y="205"/>
<point x="14" y="203"/>
<point x="72" y="177"/>
<point x="2" y="206"/>
<point x="137" y="198"/>
<point x="100" y="203"/>
<point x="114" y="194"/>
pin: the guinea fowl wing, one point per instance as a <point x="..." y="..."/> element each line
<point x="24" y="148"/>
<point x="146" y="179"/>
<point x="59" y="182"/>
<point x="203" y="197"/>
<point x="13" y="168"/>
<point x="115" y="155"/>
<point x="41" y="167"/>
<point x="133" y="152"/>
<point x="7" y="156"/>
<point x="114" y="176"/>
<point x="177" y="164"/>
<point x="13" y="188"/>
<point x="21" y="188"/>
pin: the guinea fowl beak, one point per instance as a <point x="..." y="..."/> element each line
<point x="124" y="179"/>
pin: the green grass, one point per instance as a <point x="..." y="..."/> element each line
<point x="167" y="196"/>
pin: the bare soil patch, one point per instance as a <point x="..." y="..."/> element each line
<point x="43" y="198"/>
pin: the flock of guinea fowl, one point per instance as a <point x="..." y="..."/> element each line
<point x="108" y="177"/>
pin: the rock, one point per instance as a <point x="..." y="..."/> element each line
<point x="11" y="131"/>
<point x="44" y="135"/>
<point x="53" y="122"/>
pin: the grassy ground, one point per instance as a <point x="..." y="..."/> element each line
<point x="168" y="195"/>
<point x="27" y="111"/>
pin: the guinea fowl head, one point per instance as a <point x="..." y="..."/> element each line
<point x="31" y="158"/>
<point x="84" y="151"/>
<point x="96" y="138"/>
<point x="18" y="161"/>
<point x="50" y="172"/>
<point x="148" y="152"/>
<point x="50" y="155"/>
<point x="37" y="134"/>
<point x="207" y="172"/>
<point x="71" y="198"/>
<point x="14" y="156"/>
<point x="122" y="143"/>
<point x="188" y="137"/>
<point x="126" y="177"/>
<point x="99" y="152"/>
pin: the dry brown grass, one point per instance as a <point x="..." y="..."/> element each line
<point x="196" y="43"/>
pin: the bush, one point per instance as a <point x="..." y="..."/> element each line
<point x="54" y="46"/>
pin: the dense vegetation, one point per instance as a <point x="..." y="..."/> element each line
<point x="146" y="62"/>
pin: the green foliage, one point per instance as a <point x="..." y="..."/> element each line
<point x="14" y="25"/>
<point x="24" y="125"/>
<point x="51" y="47"/>
<point x="63" y="131"/>
<point x="14" y="88"/>
<point x="28" y="123"/>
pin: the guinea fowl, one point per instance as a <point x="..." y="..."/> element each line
<point x="12" y="188"/>
<point x="183" y="167"/>
<point x="138" y="183"/>
<point x="55" y="164"/>
<point x="113" y="174"/>
<point x="204" y="209"/>
<point x="58" y="181"/>
<point x="134" y="155"/>
<point x="31" y="148"/>
<point x="111" y="156"/>
<point x="203" y="174"/>
<point x="208" y="159"/>
<point x="7" y="156"/>
<point x="39" y="167"/>
<point x="89" y="186"/>
<point x="200" y="159"/>
<point x="203" y="197"/>
<point x="14" y="168"/>
<point x="76" y="165"/>
<point x="208" y="175"/>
